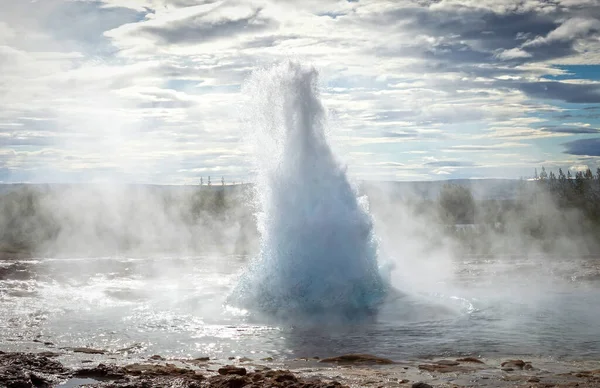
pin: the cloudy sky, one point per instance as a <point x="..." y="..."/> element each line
<point x="149" y="90"/>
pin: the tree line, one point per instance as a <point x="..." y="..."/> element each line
<point x="551" y="211"/>
<point x="39" y="219"/>
<point x="573" y="191"/>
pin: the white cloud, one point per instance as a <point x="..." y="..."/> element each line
<point x="569" y="30"/>
<point x="195" y="25"/>
<point x="396" y="75"/>
<point x="579" y="167"/>
<point x="513" y="53"/>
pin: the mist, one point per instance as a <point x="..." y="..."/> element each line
<point x="411" y="224"/>
<point x="117" y="219"/>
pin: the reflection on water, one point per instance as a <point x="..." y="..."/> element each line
<point x="175" y="307"/>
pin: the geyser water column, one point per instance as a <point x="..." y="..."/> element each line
<point x="318" y="252"/>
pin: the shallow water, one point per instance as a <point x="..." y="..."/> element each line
<point x="175" y="307"/>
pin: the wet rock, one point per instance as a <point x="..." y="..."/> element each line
<point x="441" y="368"/>
<point x="39" y="381"/>
<point x="358" y="359"/>
<point x="515" y="364"/>
<point x="160" y="370"/>
<point x="230" y="381"/>
<point x="143" y="376"/>
<point x="271" y="378"/>
<point x="200" y="361"/>
<point x="48" y="354"/>
<point x="512" y="378"/>
<point x="470" y="359"/>
<point x="421" y="384"/>
<point x="21" y="370"/>
<point x="46" y="343"/>
<point x="16" y="271"/>
<point x="285" y="377"/>
<point x="33" y="371"/>
<point x="156" y="357"/>
<point x="281" y="375"/>
<point x="447" y="362"/>
<point x="102" y="371"/>
<point x="86" y="350"/>
<point x="533" y="380"/>
<point x="232" y="370"/>
<point x="587" y="373"/>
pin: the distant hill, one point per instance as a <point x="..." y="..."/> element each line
<point x="482" y="189"/>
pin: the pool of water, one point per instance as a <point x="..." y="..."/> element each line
<point x="176" y="307"/>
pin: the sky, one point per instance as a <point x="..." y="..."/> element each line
<point x="149" y="91"/>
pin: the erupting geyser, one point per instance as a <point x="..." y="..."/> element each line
<point x="318" y="252"/>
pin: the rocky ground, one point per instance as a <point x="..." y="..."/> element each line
<point x="41" y="370"/>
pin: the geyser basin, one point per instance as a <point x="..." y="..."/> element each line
<point x="318" y="252"/>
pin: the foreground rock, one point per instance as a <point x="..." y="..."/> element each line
<point x="86" y="350"/>
<point x="470" y="359"/>
<point x="232" y="370"/>
<point x="150" y="376"/>
<point x="272" y="378"/>
<point x="448" y="366"/>
<point x="358" y="359"/>
<point x="510" y="365"/>
<point x="22" y="370"/>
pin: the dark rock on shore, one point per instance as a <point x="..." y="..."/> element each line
<point x="16" y="271"/>
<point x="272" y="378"/>
<point x="145" y="376"/>
<point x="446" y="366"/>
<point x="86" y="350"/>
<point x="101" y="371"/>
<point x="160" y="370"/>
<point x="447" y="362"/>
<point x="516" y="364"/>
<point x="440" y="368"/>
<point x="358" y="359"/>
<point x="232" y="370"/>
<point x="421" y="385"/>
<point x="470" y="359"/>
<point x="48" y="354"/>
<point x="21" y="370"/>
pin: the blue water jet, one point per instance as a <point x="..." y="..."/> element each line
<point x="318" y="250"/>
